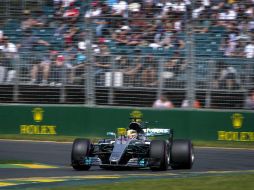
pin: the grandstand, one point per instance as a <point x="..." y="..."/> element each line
<point x="127" y="53"/>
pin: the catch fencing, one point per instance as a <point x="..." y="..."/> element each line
<point x="197" y="54"/>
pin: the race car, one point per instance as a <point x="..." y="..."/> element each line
<point x="133" y="148"/>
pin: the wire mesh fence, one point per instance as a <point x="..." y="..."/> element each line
<point x="195" y="54"/>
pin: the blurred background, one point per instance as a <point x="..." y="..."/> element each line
<point x="145" y="53"/>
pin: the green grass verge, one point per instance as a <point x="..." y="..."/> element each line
<point x="232" y="182"/>
<point x="229" y="144"/>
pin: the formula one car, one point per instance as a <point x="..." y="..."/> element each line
<point x="132" y="148"/>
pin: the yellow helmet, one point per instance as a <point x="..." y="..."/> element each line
<point x="132" y="134"/>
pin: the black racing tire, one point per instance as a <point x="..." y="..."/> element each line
<point x="159" y="157"/>
<point x="182" y="154"/>
<point x="80" y="149"/>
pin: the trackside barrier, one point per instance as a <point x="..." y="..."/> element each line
<point x="89" y="121"/>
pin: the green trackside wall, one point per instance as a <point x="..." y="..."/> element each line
<point x="87" y="121"/>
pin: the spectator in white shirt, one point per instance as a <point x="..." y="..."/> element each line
<point x="231" y="14"/>
<point x="163" y="103"/>
<point x="249" y="50"/>
<point x="1" y="35"/>
<point x="65" y="3"/>
<point x="10" y="53"/>
<point x="179" y="6"/>
<point x="249" y="102"/>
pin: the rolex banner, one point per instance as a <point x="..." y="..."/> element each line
<point x="90" y="121"/>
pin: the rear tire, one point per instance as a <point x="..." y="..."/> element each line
<point x="182" y="154"/>
<point x="80" y="150"/>
<point x="159" y="158"/>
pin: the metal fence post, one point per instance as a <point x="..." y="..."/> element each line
<point x="160" y="77"/>
<point x="190" y="60"/>
<point x="89" y="79"/>
<point x="16" y="79"/>
<point x="211" y="65"/>
<point x="112" y="82"/>
<point x="62" y="88"/>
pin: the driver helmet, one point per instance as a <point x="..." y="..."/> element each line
<point x="132" y="134"/>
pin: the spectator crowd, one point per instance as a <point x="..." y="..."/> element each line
<point x="51" y="45"/>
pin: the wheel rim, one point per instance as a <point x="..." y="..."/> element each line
<point x="168" y="159"/>
<point x="192" y="155"/>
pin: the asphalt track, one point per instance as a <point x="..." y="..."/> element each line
<point x="207" y="160"/>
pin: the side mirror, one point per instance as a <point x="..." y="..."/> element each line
<point x="111" y="134"/>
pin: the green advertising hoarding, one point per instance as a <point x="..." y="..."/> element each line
<point x="87" y="121"/>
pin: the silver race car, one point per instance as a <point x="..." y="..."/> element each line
<point x="132" y="148"/>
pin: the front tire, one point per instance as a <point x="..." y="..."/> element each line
<point x="80" y="150"/>
<point x="182" y="154"/>
<point x="159" y="158"/>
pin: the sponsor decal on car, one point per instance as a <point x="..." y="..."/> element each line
<point x="156" y="131"/>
